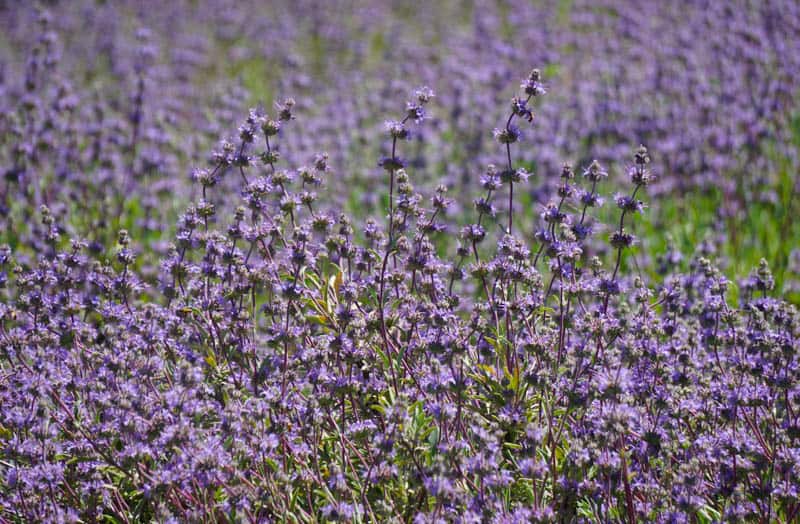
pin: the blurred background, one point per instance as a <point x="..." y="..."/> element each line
<point x="108" y="106"/>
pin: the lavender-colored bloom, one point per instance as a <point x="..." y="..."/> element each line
<point x="257" y="342"/>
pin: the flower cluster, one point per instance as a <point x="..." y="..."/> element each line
<point x="289" y="361"/>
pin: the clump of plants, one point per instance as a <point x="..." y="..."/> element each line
<point x="294" y="364"/>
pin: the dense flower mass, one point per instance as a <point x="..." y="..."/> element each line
<point x="436" y="320"/>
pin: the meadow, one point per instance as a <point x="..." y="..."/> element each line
<point x="383" y="261"/>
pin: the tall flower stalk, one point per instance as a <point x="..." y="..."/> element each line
<point x="510" y="133"/>
<point x="621" y="239"/>
<point x="415" y="112"/>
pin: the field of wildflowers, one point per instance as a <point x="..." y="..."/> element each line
<point x="383" y="261"/>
